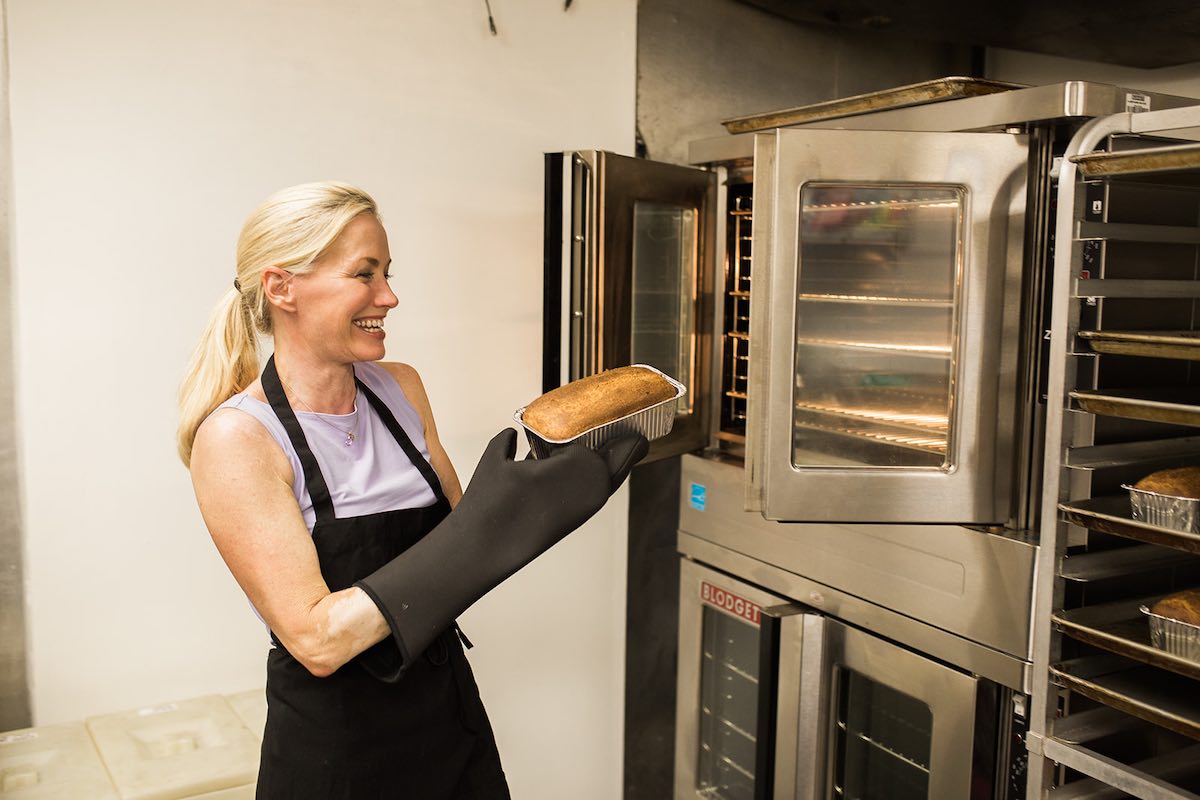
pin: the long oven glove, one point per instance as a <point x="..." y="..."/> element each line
<point x="511" y="513"/>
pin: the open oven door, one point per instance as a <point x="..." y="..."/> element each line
<point x="629" y="255"/>
<point x="884" y="320"/>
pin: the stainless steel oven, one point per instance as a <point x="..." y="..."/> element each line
<point x="859" y="305"/>
<point x="784" y="630"/>
<point x="779" y="700"/>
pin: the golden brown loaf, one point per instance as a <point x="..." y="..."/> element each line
<point x="569" y="410"/>
<point x="1179" y="482"/>
<point x="1181" y="606"/>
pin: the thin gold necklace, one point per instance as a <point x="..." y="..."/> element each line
<point x="349" y="434"/>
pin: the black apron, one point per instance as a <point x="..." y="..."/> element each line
<point x="351" y="736"/>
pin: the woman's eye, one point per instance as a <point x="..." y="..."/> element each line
<point x="367" y="275"/>
<point x="387" y="276"/>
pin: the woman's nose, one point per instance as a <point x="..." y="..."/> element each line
<point x="386" y="297"/>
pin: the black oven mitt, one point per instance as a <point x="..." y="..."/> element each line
<point x="511" y="513"/>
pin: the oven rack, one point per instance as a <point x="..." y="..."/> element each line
<point x="1166" y="699"/>
<point x="1184" y="345"/>
<point x="1111" y="715"/>
<point x="735" y="345"/>
<point x="889" y="417"/>
<point x="1120" y="628"/>
<point x="937" y="351"/>
<point x="920" y="420"/>
<point x="880" y="435"/>
<point x="876" y="300"/>
<point x="1149" y="405"/>
<point x="1111" y="515"/>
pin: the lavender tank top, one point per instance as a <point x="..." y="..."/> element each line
<point x="371" y="475"/>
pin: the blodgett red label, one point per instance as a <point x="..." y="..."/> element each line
<point x="729" y="602"/>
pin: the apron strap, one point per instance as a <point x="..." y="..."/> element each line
<point x="401" y="437"/>
<point x="318" y="492"/>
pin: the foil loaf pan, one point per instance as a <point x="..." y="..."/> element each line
<point x="1164" y="510"/>
<point x="1175" y="637"/>
<point x="654" y="422"/>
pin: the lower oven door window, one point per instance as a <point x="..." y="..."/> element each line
<point x="728" y="706"/>
<point x="884" y="739"/>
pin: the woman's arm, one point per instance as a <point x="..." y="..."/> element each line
<point x="414" y="390"/>
<point x="243" y="483"/>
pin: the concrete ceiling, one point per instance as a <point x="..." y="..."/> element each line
<point x="1132" y="33"/>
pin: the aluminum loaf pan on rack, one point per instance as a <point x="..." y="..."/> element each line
<point x="653" y="422"/>
<point x="1175" y="637"/>
<point x="1164" y="510"/>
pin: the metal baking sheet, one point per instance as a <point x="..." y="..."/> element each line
<point x="1151" y="344"/>
<point x="914" y="94"/>
<point x="1173" y="406"/>
<point x="1112" y="515"/>
<point x="1164" y="698"/>
<point x="1121" y="628"/>
<point x="1140" y="162"/>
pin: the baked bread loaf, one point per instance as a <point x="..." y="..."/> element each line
<point x="1181" y="607"/>
<point x="581" y="405"/>
<point x="1178" y="482"/>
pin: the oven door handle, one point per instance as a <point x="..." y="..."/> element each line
<point x="791" y="703"/>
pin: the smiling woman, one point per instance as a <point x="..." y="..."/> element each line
<point x="327" y="491"/>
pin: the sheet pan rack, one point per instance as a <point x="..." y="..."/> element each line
<point x="1111" y="715"/>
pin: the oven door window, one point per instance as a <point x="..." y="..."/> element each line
<point x="728" y="707"/>
<point x="880" y="270"/>
<point x="884" y="740"/>
<point x="664" y="291"/>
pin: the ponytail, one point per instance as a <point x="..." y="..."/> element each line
<point x="224" y="363"/>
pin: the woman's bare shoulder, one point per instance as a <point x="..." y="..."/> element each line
<point x="231" y="439"/>
<point x="400" y="371"/>
<point x="410" y="381"/>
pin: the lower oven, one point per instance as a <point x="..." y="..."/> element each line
<point x="776" y="700"/>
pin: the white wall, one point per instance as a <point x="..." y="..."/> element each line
<point x="143" y="133"/>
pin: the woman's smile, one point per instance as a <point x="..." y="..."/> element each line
<point x="372" y="326"/>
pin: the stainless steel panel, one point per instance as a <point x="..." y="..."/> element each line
<point x="974" y="584"/>
<point x="973" y="487"/>
<point x="1003" y="668"/>
<point x="784" y="684"/>
<point x="692" y="580"/>
<point x="15" y="710"/>
<point x="813" y="695"/>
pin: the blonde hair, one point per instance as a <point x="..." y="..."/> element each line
<point x="291" y="230"/>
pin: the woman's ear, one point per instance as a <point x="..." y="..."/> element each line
<point x="278" y="288"/>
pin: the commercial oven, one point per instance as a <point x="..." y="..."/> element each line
<point x="791" y="699"/>
<point x="857" y="304"/>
